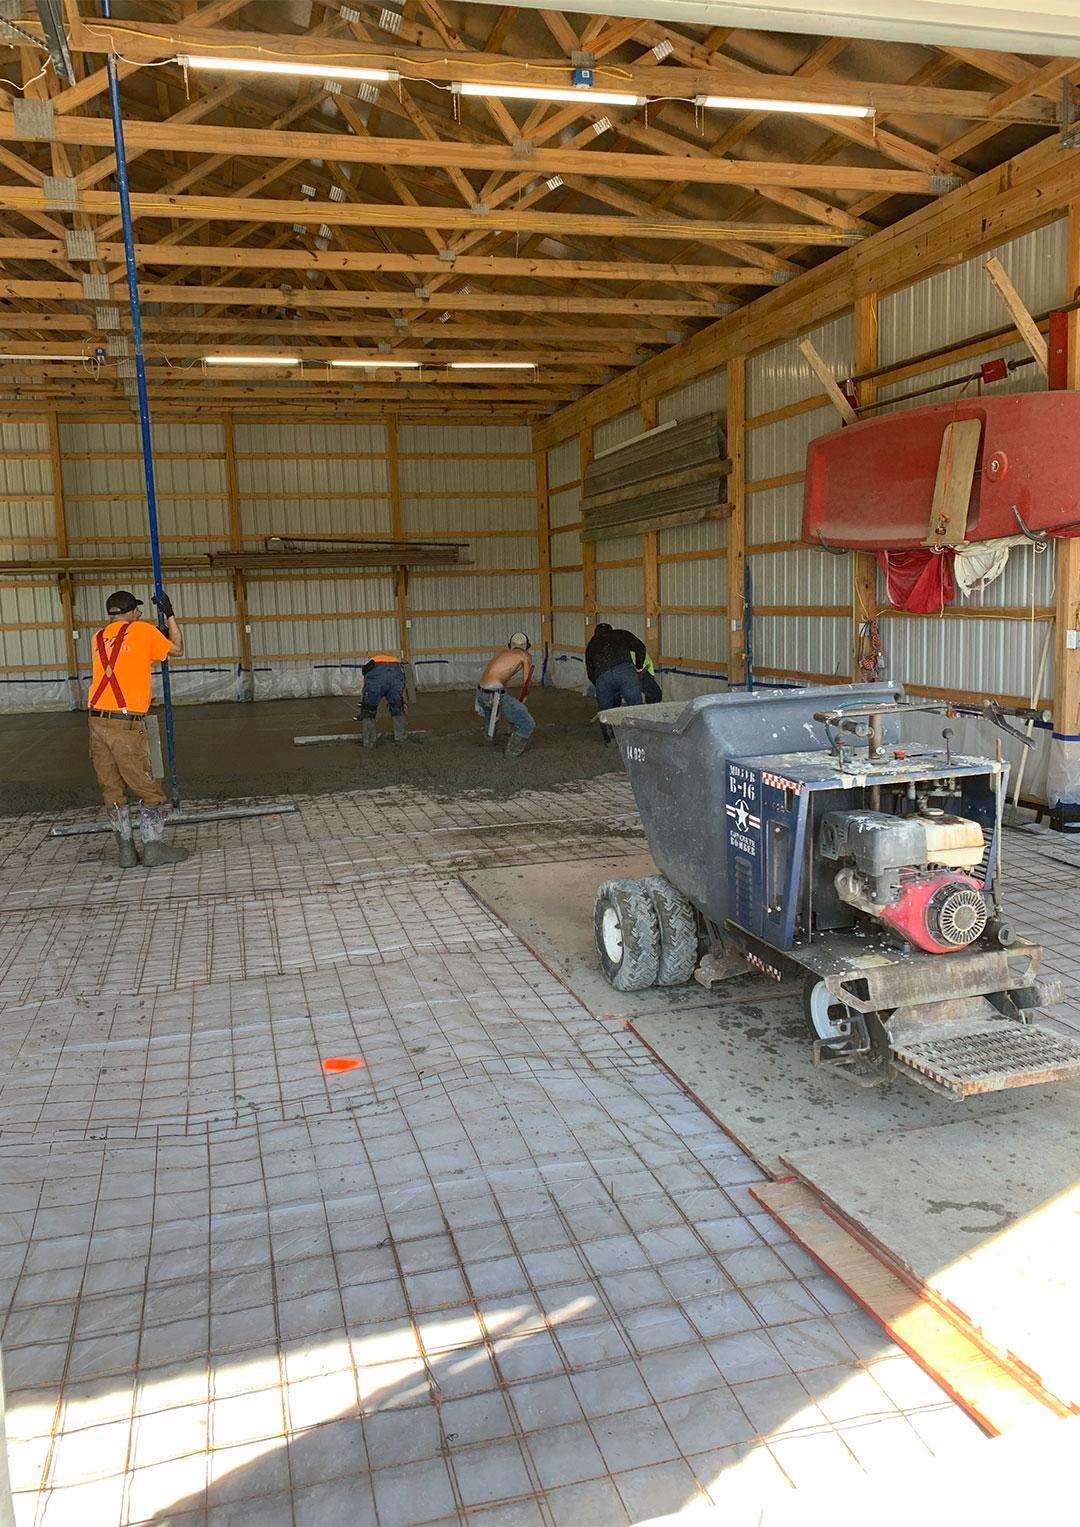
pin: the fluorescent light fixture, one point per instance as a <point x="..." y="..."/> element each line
<point x="381" y="365"/>
<point x="543" y="93"/>
<point x="493" y="365"/>
<point x="46" y="357"/>
<point x="251" y="360"/>
<point x="804" y="108"/>
<point x="273" y="66"/>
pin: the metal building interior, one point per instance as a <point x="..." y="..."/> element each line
<point x="349" y="1174"/>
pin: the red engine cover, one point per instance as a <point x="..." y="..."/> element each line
<point x="908" y="916"/>
<point x="871" y="485"/>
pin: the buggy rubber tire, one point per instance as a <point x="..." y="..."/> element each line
<point x="627" y="935"/>
<point x="817" y="1007"/>
<point x="678" y="931"/>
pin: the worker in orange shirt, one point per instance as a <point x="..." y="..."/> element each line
<point x="124" y="653"/>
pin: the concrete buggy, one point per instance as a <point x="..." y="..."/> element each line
<point x="798" y="833"/>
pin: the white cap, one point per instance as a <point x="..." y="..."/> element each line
<point x="519" y="641"/>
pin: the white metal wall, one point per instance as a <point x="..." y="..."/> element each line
<point x="309" y="632"/>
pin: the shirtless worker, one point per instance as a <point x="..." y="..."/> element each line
<point x="512" y="659"/>
<point x="124" y="653"/>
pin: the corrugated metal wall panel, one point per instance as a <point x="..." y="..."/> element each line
<point x="775" y="450"/>
<point x="324" y="638"/>
<point x="617" y="431"/>
<point x="618" y="548"/>
<point x="564" y="463"/>
<point x="564" y="508"/>
<point x="701" y="584"/>
<point x="479" y="634"/>
<point x="1027" y="580"/>
<point x="457" y="519"/>
<point x="619" y="588"/>
<point x="478" y="439"/>
<point x="782" y="375"/>
<point x="568" y="630"/>
<point x="566" y="549"/>
<point x="961" y="301"/>
<point x="693" y="639"/>
<point x="511" y="476"/>
<point x="977" y="656"/>
<point x="802" y="643"/>
<point x="30" y="529"/>
<point x="23" y="435"/>
<point x="308" y="437"/>
<point x="505" y="553"/>
<point x="500" y="591"/>
<point x="707" y="535"/>
<point x="566" y="591"/>
<point x="315" y="516"/>
<point x="328" y="478"/>
<point x="801" y="577"/>
<point x="315" y="596"/>
<point x="708" y="395"/>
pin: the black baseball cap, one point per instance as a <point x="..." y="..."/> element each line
<point x="122" y="603"/>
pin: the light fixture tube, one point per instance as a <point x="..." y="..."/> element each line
<point x="381" y="365"/>
<point x="544" y="93"/>
<point x="46" y="357"/>
<point x="492" y="365"/>
<point x="251" y="360"/>
<point x="273" y="66"/>
<point x="804" y="108"/>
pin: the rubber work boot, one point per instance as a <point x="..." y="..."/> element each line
<point x="401" y="728"/>
<point x="607" y="733"/>
<point x="120" y="821"/>
<point x="516" y="746"/>
<point x="154" y="849"/>
<point x="367" y="730"/>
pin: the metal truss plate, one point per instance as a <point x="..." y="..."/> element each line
<point x="990" y="1057"/>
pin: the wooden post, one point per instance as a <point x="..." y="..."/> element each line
<point x="63" y="580"/>
<point x="246" y="687"/>
<point x="588" y="548"/>
<point x="1065" y="747"/>
<point x="543" y="548"/>
<point x="736" y="525"/>
<point x="401" y="575"/>
<point x="650" y="573"/>
<point x="864" y="568"/>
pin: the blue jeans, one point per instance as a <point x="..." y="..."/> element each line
<point x="511" y="710"/>
<point x="386" y="681"/>
<point x="623" y="682"/>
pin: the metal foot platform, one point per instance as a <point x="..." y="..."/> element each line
<point x="989" y="1057"/>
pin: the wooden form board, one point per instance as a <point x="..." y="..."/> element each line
<point x="998" y="1399"/>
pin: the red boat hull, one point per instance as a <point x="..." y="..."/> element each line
<point x="871" y="485"/>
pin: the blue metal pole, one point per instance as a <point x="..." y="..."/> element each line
<point x="140" y="381"/>
<point x="748" y="624"/>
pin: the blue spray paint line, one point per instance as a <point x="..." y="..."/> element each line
<point x="140" y="381"/>
<point x="544" y="668"/>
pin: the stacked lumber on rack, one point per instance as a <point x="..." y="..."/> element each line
<point x="674" y="475"/>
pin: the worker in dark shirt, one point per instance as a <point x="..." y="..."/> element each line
<point x="612" y="661"/>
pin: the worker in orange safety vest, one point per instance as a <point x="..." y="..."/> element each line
<point x="124" y="654"/>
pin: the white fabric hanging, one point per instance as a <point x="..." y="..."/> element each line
<point x="981" y="563"/>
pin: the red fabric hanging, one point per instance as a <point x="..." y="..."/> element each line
<point x="919" y="580"/>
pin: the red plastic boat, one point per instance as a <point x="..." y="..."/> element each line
<point x="871" y="485"/>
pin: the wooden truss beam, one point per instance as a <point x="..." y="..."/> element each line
<point x="26" y="199"/>
<point x="266" y="143"/>
<point x="657" y="308"/>
<point x="216" y="257"/>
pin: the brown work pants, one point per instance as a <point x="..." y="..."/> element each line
<point x="120" y="755"/>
